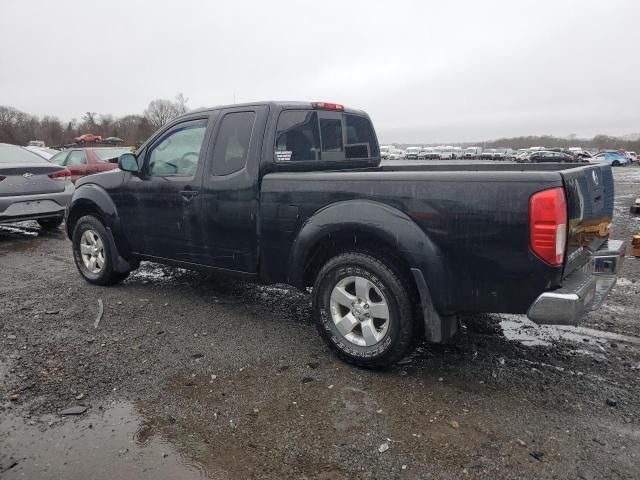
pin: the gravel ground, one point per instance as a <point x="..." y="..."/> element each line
<point x="192" y="376"/>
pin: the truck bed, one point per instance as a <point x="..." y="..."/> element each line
<point x="476" y="215"/>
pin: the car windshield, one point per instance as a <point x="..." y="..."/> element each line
<point x="105" y="154"/>
<point x="15" y="154"/>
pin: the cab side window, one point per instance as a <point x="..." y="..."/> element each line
<point x="177" y="154"/>
<point x="232" y="144"/>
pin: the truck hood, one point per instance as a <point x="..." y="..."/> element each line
<point x="108" y="180"/>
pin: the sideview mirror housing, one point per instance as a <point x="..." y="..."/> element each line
<point x="127" y="162"/>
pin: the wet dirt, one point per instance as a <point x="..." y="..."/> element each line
<point x="193" y="376"/>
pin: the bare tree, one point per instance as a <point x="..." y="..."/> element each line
<point x="160" y="112"/>
<point x="181" y="103"/>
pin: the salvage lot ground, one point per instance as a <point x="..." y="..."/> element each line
<point x="190" y="376"/>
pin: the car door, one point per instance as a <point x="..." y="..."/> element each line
<point x="163" y="202"/>
<point x="76" y="163"/>
<point x="230" y="190"/>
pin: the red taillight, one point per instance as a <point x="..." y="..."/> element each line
<point x="328" y="106"/>
<point x="548" y="225"/>
<point x="61" y="175"/>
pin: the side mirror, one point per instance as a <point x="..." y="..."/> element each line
<point x="127" y="162"/>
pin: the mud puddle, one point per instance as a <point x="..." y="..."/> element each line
<point x="107" y="444"/>
<point x="518" y="328"/>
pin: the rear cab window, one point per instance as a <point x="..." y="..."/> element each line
<point x="318" y="135"/>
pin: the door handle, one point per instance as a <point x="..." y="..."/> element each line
<point x="188" y="195"/>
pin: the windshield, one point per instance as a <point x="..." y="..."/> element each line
<point x="105" y="154"/>
<point x="14" y="154"/>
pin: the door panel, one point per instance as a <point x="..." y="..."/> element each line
<point x="162" y="220"/>
<point x="230" y="191"/>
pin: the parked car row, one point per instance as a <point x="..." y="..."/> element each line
<point x="612" y="157"/>
<point x="389" y="152"/>
<point x="527" y="155"/>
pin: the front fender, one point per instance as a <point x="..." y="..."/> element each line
<point x="377" y="221"/>
<point x="92" y="196"/>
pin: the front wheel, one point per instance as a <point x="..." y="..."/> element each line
<point x="363" y="310"/>
<point x="92" y="252"/>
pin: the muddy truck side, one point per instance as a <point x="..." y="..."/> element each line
<point x="295" y="193"/>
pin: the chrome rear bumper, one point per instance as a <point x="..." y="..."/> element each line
<point x="583" y="291"/>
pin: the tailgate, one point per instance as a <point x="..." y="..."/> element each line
<point x="590" y="211"/>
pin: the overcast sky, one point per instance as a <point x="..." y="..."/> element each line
<point x="426" y="71"/>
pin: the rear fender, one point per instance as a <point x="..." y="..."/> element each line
<point x="389" y="225"/>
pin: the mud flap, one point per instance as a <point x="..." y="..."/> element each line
<point x="437" y="328"/>
<point x="119" y="264"/>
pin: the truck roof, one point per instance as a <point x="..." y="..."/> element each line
<point x="283" y="105"/>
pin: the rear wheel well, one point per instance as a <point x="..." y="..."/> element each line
<point x="353" y="240"/>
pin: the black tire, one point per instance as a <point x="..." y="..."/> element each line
<point x="397" y="290"/>
<point x="50" y="223"/>
<point x="107" y="275"/>
<point x="615" y="163"/>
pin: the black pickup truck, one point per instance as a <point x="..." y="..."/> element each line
<point x="295" y="193"/>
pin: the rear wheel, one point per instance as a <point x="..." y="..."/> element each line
<point x="50" y="223"/>
<point x="92" y="253"/>
<point x="615" y="163"/>
<point x="363" y="310"/>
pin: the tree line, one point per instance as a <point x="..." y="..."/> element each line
<point x="19" y="128"/>
<point x="598" y="142"/>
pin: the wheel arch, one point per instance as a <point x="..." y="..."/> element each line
<point x="372" y="226"/>
<point x="91" y="199"/>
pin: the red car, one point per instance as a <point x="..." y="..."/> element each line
<point x="85" y="161"/>
<point x="88" y="138"/>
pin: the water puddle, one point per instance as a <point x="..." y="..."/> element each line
<point x="156" y="273"/>
<point x="627" y="175"/>
<point x="114" y="443"/>
<point x="19" y="230"/>
<point x="520" y="329"/>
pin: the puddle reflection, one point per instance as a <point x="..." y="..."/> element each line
<point x="108" y="444"/>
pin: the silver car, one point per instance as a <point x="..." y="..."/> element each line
<point x="32" y="188"/>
